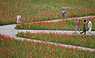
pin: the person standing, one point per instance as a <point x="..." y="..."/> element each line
<point x="84" y="27"/>
<point x="89" y="26"/>
<point x="77" y="25"/>
<point x="18" y="19"/>
<point x="64" y="13"/>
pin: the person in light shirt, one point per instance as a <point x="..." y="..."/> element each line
<point x="64" y="13"/>
<point x="89" y="26"/>
<point x="18" y="19"/>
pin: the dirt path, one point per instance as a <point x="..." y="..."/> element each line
<point x="85" y="17"/>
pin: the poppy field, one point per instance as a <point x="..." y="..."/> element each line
<point x="41" y="15"/>
<point x="32" y="10"/>
<point x="13" y="48"/>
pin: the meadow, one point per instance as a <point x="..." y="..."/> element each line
<point x="32" y="10"/>
<point x="13" y="48"/>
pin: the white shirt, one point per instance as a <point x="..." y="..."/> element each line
<point x="18" y="19"/>
<point x="64" y="11"/>
<point x="89" y="24"/>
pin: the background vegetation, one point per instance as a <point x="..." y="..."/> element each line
<point x="33" y="10"/>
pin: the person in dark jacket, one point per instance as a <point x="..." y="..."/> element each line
<point x="84" y="27"/>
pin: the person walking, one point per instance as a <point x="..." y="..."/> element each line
<point x="18" y="19"/>
<point x="84" y="27"/>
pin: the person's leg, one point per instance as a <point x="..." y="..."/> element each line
<point x="62" y="14"/>
<point x="85" y="29"/>
<point x="65" y="15"/>
<point x="81" y="32"/>
<point x="78" y="28"/>
<point x="85" y="33"/>
<point x="90" y="29"/>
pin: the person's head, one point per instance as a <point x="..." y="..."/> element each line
<point x="19" y="16"/>
<point x="89" y="19"/>
<point x="84" y="20"/>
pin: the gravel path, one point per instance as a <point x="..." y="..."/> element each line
<point x="85" y="17"/>
<point x="12" y="32"/>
